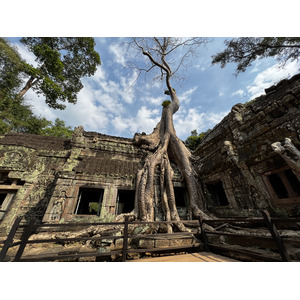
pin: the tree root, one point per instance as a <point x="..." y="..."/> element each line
<point x="165" y="147"/>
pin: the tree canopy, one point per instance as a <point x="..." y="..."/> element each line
<point x="166" y="57"/>
<point x="18" y="117"/>
<point x="245" y="50"/>
<point x="58" y="129"/>
<point x="195" y="139"/>
<point x="15" y="115"/>
<point x="10" y="69"/>
<point x="62" y="62"/>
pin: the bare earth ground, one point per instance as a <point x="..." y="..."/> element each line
<point x="191" y="257"/>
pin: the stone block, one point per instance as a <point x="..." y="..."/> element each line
<point x="162" y="243"/>
<point x="146" y="243"/>
<point x="181" y="242"/>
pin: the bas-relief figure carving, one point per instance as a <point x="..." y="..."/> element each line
<point x="58" y="207"/>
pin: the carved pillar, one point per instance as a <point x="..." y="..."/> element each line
<point x="255" y="183"/>
<point x="290" y="154"/>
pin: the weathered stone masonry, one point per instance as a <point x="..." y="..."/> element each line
<point x="249" y="161"/>
<point x="239" y="164"/>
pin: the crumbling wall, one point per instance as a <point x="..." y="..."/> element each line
<point x="31" y="165"/>
<point x="255" y="144"/>
<point x="240" y="153"/>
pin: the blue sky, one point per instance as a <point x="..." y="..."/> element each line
<point x="104" y="105"/>
<point x="109" y="103"/>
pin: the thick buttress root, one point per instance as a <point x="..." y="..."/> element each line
<point x="166" y="146"/>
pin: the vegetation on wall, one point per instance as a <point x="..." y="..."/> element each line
<point x="195" y="139"/>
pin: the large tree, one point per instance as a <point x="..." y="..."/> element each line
<point x="245" y="50"/>
<point x="164" y="145"/>
<point x="62" y="62"/>
<point x="11" y="66"/>
<point x="15" y="114"/>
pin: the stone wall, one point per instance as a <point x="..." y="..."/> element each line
<point x="238" y="156"/>
<point x="46" y="178"/>
<point x="249" y="161"/>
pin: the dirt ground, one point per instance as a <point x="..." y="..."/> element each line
<point x="191" y="257"/>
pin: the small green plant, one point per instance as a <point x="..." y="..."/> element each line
<point x="166" y="103"/>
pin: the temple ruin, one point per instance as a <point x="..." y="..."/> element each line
<point x="248" y="162"/>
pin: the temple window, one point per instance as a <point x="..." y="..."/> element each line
<point x="283" y="186"/>
<point x="125" y="201"/>
<point x="180" y="197"/>
<point x="89" y="201"/>
<point x="217" y="193"/>
<point x="181" y="201"/>
<point x="8" y="190"/>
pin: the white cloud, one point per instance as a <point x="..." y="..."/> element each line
<point x="200" y="67"/>
<point x="122" y="124"/>
<point x="154" y="100"/>
<point x="145" y="120"/>
<point x="271" y="76"/>
<point x="187" y="120"/>
<point x="239" y="92"/>
<point x="119" y="55"/>
<point x="111" y="90"/>
<point x="186" y="96"/>
<point x="221" y="94"/>
<point x="211" y="119"/>
<point x="99" y="76"/>
<point x="86" y="112"/>
<point x="38" y="105"/>
<point x="25" y="54"/>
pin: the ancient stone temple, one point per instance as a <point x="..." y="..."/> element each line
<point x="249" y="161"/>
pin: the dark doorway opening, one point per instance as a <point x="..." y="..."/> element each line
<point x="2" y="198"/>
<point x="278" y="186"/>
<point x="217" y="193"/>
<point x="125" y="201"/>
<point x="285" y="184"/>
<point x="181" y="201"/>
<point x="180" y="197"/>
<point x="89" y="201"/>
<point x="294" y="182"/>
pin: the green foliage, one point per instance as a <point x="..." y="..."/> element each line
<point x="93" y="206"/>
<point x="15" y="115"/>
<point x="18" y="117"/>
<point x="195" y="139"/>
<point x="244" y="51"/>
<point x="58" y="129"/>
<point x="10" y="68"/>
<point x="166" y="103"/>
<point x="62" y="62"/>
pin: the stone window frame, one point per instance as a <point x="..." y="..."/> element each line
<point x="294" y="200"/>
<point x="6" y="202"/>
<point x="77" y="195"/>
<point x="122" y="188"/>
<point x="11" y="191"/>
<point x="214" y="180"/>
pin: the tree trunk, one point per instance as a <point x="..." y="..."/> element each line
<point x="29" y="84"/>
<point x="166" y="147"/>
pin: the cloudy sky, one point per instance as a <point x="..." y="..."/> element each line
<point x="111" y="102"/>
<point x="107" y="104"/>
